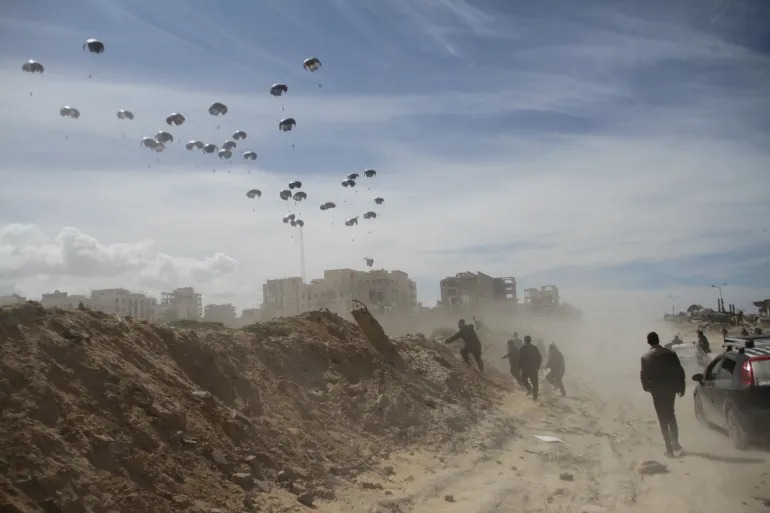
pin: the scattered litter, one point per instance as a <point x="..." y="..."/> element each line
<point x="651" y="467"/>
<point x="549" y="439"/>
<point x="449" y="498"/>
<point x="566" y="476"/>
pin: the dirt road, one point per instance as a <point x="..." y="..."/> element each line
<point x="594" y="469"/>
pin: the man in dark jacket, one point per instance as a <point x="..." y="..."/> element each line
<point x="513" y="358"/>
<point x="472" y="343"/>
<point x="530" y="360"/>
<point x="556" y="365"/>
<point x="662" y="376"/>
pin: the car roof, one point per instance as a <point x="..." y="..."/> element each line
<point x="759" y="345"/>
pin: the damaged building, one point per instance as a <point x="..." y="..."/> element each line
<point x="468" y="289"/>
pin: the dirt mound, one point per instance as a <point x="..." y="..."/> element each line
<point x="99" y="414"/>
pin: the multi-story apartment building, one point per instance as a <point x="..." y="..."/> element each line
<point x="13" y="299"/>
<point x="124" y="303"/>
<point x="378" y="289"/>
<point x="58" y="299"/>
<point x="475" y="289"/>
<point x="220" y="313"/>
<point x="181" y="304"/>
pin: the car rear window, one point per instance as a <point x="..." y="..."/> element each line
<point x="761" y="370"/>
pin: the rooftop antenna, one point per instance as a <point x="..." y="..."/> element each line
<point x="302" y="252"/>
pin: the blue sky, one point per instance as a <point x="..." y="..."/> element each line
<point x="596" y="145"/>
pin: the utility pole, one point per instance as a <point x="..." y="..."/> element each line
<point x="673" y="304"/>
<point x="721" y="301"/>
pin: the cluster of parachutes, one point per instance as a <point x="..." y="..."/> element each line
<point x="159" y="141"/>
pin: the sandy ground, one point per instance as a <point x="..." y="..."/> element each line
<point x="606" y="436"/>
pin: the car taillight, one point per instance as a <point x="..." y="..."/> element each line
<point x="747" y="373"/>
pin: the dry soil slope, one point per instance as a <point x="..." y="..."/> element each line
<point x="101" y="414"/>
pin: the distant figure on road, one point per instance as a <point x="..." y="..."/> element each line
<point x="513" y="357"/>
<point x="703" y="348"/>
<point x="556" y="364"/>
<point x="662" y="376"/>
<point x="472" y="343"/>
<point x="675" y="341"/>
<point x="530" y="360"/>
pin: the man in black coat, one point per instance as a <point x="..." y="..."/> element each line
<point x="530" y="360"/>
<point x="662" y="376"/>
<point x="557" y="367"/>
<point x="472" y="343"/>
<point x="513" y="357"/>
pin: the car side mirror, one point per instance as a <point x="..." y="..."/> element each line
<point x="698" y="377"/>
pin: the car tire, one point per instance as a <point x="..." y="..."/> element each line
<point x="737" y="435"/>
<point x="700" y="414"/>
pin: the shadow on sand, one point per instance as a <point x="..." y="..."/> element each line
<point x="723" y="459"/>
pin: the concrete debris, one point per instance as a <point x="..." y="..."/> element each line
<point x="306" y="498"/>
<point x="566" y="476"/>
<point x="449" y="498"/>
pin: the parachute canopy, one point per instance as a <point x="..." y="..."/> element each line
<point x="229" y="145"/>
<point x="32" y="67"/>
<point x="175" y="119"/>
<point x="125" y="114"/>
<point x="239" y="135"/>
<point x="210" y="148"/>
<point x="287" y="219"/>
<point x="218" y="109"/>
<point x="369" y="173"/>
<point x="379" y="201"/>
<point x="299" y="196"/>
<point x="353" y="176"/>
<point x="94" y="46"/>
<point x="287" y="124"/>
<point x="153" y="144"/>
<point x="194" y="144"/>
<point x="285" y="195"/>
<point x="369" y="261"/>
<point x="351" y="221"/>
<point x="224" y="154"/>
<point x="69" y="112"/>
<point x="164" y="137"/>
<point x="298" y="222"/>
<point x="312" y="64"/>
<point x="328" y="205"/>
<point x="370" y="215"/>
<point x="254" y="193"/>
<point x="348" y="183"/>
<point x="279" y="89"/>
<point x="249" y="155"/>
<point x="296" y="184"/>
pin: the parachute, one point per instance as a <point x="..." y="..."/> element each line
<point x="287" y="124"/>
<point x="254" y="193"/>
<point x="285" y="195"/>
<point x="311" y="64"/>
<point x="239" y="135"/>
<point x="379" y="201"/>
<point x="125" y="114"/>
<point x="328" y="205"/>
<point x="32" y="67"/>
<point x="164" y="137"/>
<point x="210" y="148"/>
<point x="194" y="144"/>
<point x="279" y="89"/>
<point x="348" y="183"/>
<point x="369" y="261"/>
<point x="224" y="153"/>
<point x="298" y="222"/>
<point x="218" y="109"/>
<point x="353" y="176"/>
<point x="175" y="119"/>
<point x="296" y="184"/>
<point x="289" y="218"/>
<point x="249" y="155"/>
<point x="228" y="145"/>
<point x="351" y="221"/>
<point x="69" y="112"/>
<point x="370" y="215"/>
<point x="153" y="144"/>
<point x="93" y="45"/>
<point x="370" y="173"/>
<point x="299" y="196"/>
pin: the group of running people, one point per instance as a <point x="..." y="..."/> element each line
<point x="524" y="358"/>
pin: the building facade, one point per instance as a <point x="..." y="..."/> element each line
<point x="58" y="299"/>
<point x="220" y="313"/>
<point x="546" y="296"/>
<point x="468" y="289"/>
<point x="124" y="303"/>
<point x="13" y="299"/>
<point x="181" y="304"/>
<point x="378" y="289"/>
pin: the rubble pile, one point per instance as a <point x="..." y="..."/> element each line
<point x="100" y="414"/>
